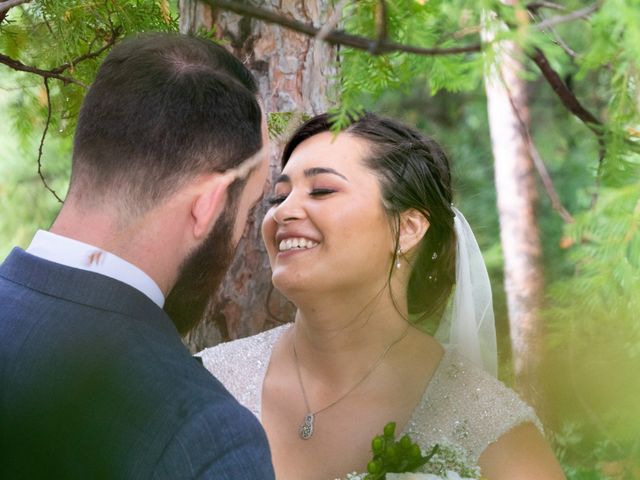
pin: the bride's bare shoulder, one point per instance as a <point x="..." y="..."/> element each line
<point x="521" y="453"/>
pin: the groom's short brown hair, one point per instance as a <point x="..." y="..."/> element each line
<point x="162" y="109"/>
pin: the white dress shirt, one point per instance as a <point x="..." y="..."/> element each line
<point x="76" y="254"/>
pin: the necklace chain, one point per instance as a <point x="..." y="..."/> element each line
<point x="306" y="429"/>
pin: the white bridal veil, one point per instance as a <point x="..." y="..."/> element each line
<point x="468" y="323"/>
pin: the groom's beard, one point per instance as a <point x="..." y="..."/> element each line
<point x="201" y="274"/>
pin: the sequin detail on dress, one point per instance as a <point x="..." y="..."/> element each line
<point x="461" y="406"/>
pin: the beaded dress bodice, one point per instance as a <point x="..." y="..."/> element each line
<point x="462" y="405"/>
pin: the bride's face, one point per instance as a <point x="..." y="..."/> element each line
<point x="327" y="228"/>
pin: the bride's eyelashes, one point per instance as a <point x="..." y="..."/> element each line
<point x="316" y="193"/>
<point x="321" y="192"/>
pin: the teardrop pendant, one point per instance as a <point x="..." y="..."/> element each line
<point x="306" y="429"/>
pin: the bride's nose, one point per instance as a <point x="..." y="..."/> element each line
<point x="289" y="210"/>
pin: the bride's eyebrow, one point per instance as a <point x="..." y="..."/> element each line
<point x="311" y="172"/>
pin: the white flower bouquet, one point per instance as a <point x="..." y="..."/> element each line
<point x="403" y="460"/>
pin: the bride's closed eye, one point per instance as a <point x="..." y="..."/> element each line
<point x="316" y="192"/>
<point x="320" y="192"/>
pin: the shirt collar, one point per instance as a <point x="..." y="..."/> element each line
<point x="76" y="254"/>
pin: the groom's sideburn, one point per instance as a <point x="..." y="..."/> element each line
<point x="203" y="270"/>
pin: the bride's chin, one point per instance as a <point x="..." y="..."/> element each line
<point x="292" y="286"/>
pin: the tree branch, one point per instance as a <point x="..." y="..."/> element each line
<point x="7" y="4"/>
<point x="44" y="134"/>
<point x="578" y="14"/>
<point x="21" y="67"/>
<point x="336" y="37"/>
<point x="563" y="92"/>
<point x="57" y="71"/>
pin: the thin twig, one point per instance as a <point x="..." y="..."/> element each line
<point x="21" y="67"/>
<point x="88" y="55"/>
<point x="336" y="37"/>
<point x="553" y="35"/>
<point x="556" y="203"/>
<point x="44" y="134"/>
<point x="7" y="4"/>
<point x="578" y="14"/>
<point x="538" y="162"/>
<point x="562" y="44"/>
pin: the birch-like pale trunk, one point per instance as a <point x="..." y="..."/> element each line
<point x="294" y="73"/>
<point x="517" y="198"/>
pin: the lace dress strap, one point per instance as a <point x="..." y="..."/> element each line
<point x="465" y="407"/>
<point x="241" y="365"/>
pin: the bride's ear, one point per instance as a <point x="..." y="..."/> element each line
<point x="413" y="227"/>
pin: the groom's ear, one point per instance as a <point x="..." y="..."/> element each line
<point x="413" y="227"/>
<point x="208" y="202"/>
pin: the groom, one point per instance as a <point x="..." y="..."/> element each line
<point x="169" y="157"/>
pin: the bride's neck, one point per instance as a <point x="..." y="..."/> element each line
<point x="330" y="333"/>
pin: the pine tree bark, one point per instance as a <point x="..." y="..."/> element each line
<point x="517" y="198"/>
<point x="295" y="74"/>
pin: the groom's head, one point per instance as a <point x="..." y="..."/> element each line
<point x="172" y="127"/>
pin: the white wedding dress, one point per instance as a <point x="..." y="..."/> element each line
<point x="462" y="406"/>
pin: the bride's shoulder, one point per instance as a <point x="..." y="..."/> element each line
<point x="468" y="406"/>
<point x="238" y="352"/>
<point x="240" y="365"/>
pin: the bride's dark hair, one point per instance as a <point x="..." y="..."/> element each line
<point x="414" y="173"/>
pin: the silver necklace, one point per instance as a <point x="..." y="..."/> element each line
<point x="306" y="429"/>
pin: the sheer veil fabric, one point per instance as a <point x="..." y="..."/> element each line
<point x="468" y="323"/>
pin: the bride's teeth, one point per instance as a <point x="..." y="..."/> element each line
<point x="300" y="243"/>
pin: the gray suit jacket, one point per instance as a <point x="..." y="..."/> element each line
<point x="95" y="383"/>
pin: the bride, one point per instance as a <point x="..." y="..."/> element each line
<point x="362" y="237"/>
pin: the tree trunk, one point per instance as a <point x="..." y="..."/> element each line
<point x="517" y="197"/>
<point x="294" y="73"/>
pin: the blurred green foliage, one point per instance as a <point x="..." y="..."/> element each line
<point x="47" y="34"/>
